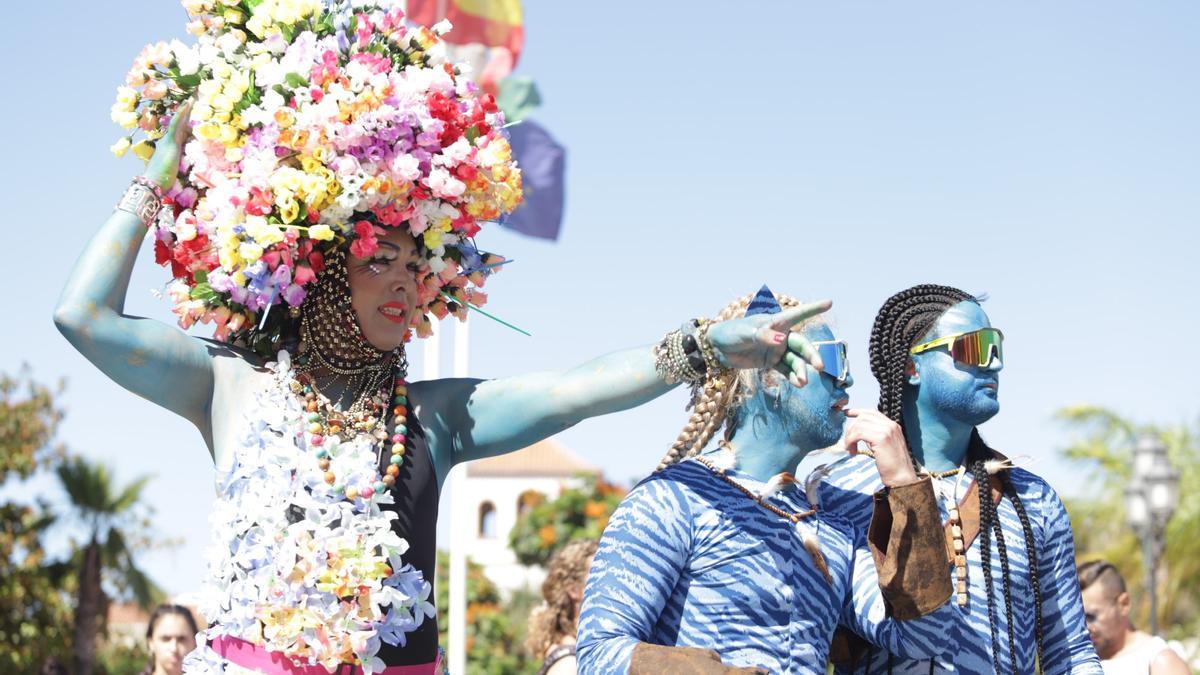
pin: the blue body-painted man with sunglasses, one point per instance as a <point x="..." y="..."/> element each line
<point x="1010" y="555"/>
<point x="720" y="563"/>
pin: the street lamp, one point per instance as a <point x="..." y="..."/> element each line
<point x="1150" y="501"/>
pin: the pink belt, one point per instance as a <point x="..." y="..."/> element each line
<point x="249" y="655"/>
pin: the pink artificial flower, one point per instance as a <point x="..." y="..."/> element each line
<point x="364" y="30"/>
<point x="366" y="242"/>
<point x="154" y="90"/>
<point x="304" y="275"/>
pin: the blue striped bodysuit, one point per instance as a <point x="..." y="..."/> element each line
<point x="689" y="560"/>
<point x="1068" y="649"/>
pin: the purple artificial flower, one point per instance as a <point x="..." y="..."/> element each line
<point x="294" y="294"/>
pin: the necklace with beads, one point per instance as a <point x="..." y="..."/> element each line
<point x="956" y="528"/>
<point x="796" y="518"/>
<point x="368" y="415"/>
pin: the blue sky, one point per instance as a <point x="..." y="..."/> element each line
<point x="1045" y="153"/>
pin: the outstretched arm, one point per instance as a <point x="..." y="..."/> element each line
<point x="151" y="359"/>
<point x="471" y="419"/>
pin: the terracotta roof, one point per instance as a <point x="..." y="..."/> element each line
<point x="544" y="458"/>
<point x="120" y="613"/>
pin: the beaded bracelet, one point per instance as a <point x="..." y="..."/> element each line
<point x="711" y="363"/>
<point x="685" y="354"/>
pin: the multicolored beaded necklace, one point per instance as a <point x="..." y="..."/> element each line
<point x="369" y="415"/>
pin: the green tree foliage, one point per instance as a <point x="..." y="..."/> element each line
<point x="495" y="627"/>
<point x="35" y="616"/>
<point x="577" y="513"/>
<point x="113" y="517"/>
<point x="1105" y="443"/>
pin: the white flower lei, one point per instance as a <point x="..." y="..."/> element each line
<point x="294" y="567"/>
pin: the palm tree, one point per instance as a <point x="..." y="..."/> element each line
<point x="1100" y="523"/>
<point x="108" y="512"/>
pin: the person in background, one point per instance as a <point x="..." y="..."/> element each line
<point x="553" y="623"/>
<point x="1123" y="649"/>
<point x="170" y="635"/>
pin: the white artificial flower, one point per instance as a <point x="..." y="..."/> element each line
<point x="186" y="58"/>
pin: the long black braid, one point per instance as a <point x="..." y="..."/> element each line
<point x="902" y="322"/>
<point x="1030" y="548"/>
<point x="987" y="513"/>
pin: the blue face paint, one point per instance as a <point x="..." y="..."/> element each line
<point x="781" y="423"/>
<point x="951" y="391"/>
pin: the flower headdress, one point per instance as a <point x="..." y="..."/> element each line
<point x="315" y="125"/>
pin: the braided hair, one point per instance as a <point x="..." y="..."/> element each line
<point x="901" y="323"/>
<point x="717" y="400"/>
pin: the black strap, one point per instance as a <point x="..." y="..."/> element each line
<point x="557" y="654"/>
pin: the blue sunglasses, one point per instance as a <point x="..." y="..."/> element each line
<point x="833" y="356"/>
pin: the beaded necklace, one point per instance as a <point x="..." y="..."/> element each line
<point x="368" y="415"/>
<point x="956" y="530"/>
<point x="796" y="518"/>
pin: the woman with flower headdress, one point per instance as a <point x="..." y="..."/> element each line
<point x="316" y="177"/>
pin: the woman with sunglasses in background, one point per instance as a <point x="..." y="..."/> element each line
<point x="938" y="359"/>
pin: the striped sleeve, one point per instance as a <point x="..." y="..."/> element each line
<point x="1068" y="647"/>
<point x="865" y="612"/>
<point x="640" y="557"/>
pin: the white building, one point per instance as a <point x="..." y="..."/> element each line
<point x="495" y="492"/>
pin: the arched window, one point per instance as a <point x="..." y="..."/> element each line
<point x="487" y="521"/>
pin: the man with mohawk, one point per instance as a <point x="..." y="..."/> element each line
<point x="719" y="562"/>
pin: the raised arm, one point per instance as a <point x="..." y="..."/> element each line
<point x="901" y="584"/>
<point x="153" y="360"/>
<point x="471" y="419"/>
<point x="898" y="600"/>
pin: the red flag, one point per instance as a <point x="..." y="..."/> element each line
<point x="492" y="23"/>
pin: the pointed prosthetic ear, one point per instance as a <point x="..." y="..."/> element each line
<point x="910" y="371"/>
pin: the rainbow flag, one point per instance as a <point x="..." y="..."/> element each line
<point x="492" y="23"/>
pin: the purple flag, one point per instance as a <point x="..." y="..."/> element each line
<point x="543" y="172"/>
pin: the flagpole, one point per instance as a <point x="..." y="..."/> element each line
<point x="460" y="527"/>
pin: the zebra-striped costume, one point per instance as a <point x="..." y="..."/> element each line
<point x="1068" y="649"/>
<point x="688" y="560"/>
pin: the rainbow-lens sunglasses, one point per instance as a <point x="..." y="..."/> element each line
<point x="833" y="358"/>
<point x="974" y="348"/>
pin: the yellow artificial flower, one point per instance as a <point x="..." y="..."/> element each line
<point x="289" y="211"/>
<point x="263" y="232"/>
<point x="320" y="232"/>
<point x="126" y="118"/>
<point x="201" y="112"/>
<point x="121" y="146"/>
<point x="250" y="251"/>
<point x="285" y="180"/>
<point x="143" y="150"/>
<point x="127" y="98"/>
<point x="209" y="131"/>
<point x="229" y="134"/>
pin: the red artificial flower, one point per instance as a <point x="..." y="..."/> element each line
<point x="365" y="243"/>
<point x="161" y="252"/>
